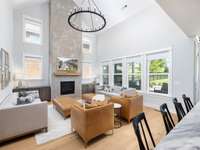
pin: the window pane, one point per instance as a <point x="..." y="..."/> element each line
<point x="118" y="80"/>
<point x="33" y="37"/>
<point x="134" y="75"/>
<point x="87" y="71"/>
<point x="118" y="68"/>
<point x="33" y="67"/>
<point x="158" y="83"/>
<point x="134" y="68"/>
<point x="134" y="81"/>
<point x="32" y="30"/>
<point x="159" y="66"/>
<point x="105" y="69"/>
<point x="105" y="79"/>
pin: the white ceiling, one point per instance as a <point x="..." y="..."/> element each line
<point x="23" y="3"/>
<point x="114" y="12"/>
<point x="185" y="13"/>
<point x="112" y="9"/>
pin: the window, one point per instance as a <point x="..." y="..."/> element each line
<point x="118" y="74"/>
<point x="32" y="67"/>
<point x="105" y="77"/>
<point x="32" y="30"/>
<point x="87" y="71"/>
<point x="158" y="75"/>
<point x="86" y="47"/>
<point x="150" y="72"/>
<point x="134" y="75"/>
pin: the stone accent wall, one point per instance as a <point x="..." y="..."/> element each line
<point x="64" y="42"/>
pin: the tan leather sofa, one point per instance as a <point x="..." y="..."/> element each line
<point x="131" y="106"/>
<point x="90" y="123"/>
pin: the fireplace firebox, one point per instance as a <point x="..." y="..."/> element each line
<point x="67" y="87"/>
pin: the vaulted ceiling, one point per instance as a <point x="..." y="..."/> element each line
<point x="115" y="12"/>
<point x="23" y="3"/>
<point x="112" y="9"/>
<point x="185" y="13"/>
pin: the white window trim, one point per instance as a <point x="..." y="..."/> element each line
<point x="24" y="32"/>
<point x="117" y="61"/>
<point x="160" y="55"/>
<point x="102" y="74"/>
<point x="144" y="71"/>
<point x="34" y="56"/>
<point x="137" y="59"/>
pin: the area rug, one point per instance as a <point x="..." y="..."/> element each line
<point x="57" y="127"/>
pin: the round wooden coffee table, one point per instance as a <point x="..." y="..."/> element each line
<point x="117" y="109"/>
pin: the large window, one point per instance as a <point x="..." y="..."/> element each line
<point x="118" y="74"/>
<point x="134" y="75"/>
<point x="159" y="75"/>
<point x="150" y="72"/>
<point x="87" y="71"/>
<point x="105" y="77"/>
<point x="32" y="67"/>
<point x="32" y="29"/>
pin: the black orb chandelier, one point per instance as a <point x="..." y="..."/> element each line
<point x="87" y="17"/>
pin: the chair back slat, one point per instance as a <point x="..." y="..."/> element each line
<point x="144" y="135"/>
<point x="188" y="103"/>
<point x="179" y="109"/>
<point x="138" y="121"/>
<point x="167" y="118"/>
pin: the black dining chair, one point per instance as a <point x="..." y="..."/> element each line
<point x="179" y="109"/>
<point x="138" y="125"/>
<point x="167" y="118"/>
<point x="188" y="103"/>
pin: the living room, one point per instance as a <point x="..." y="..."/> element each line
<point x="79" y="74"/>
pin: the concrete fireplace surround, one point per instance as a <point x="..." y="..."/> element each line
<point x="64" y="42"/>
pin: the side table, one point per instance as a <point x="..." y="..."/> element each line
<point x="117" y="109"/>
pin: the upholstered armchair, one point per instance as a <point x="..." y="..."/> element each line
<point x="131" y="106"/>
<point x="90" y="123"/>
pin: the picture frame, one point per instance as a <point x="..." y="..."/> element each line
<point x="4" y="69"/>
<point x="70" y="65"/>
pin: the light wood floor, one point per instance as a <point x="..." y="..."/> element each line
<point x="122" y="139"/>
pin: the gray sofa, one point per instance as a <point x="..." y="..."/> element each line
<point x="18" y="120"/>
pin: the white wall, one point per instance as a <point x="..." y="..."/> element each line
<point x="41" y="12"/>
<point x="6" y="36"/>
<point x="151" y="30"/>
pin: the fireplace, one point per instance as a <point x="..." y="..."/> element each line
<point x="67" y="87"/>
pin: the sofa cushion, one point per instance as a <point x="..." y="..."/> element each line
<point x="129" y="93"/>
<point x="34" y="94"/>
<point x="25" y="100"/>
<point x="95" y="104"/>
<point x="11" y="101"/>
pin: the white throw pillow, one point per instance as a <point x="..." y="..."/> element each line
<point x="99" y="97"/>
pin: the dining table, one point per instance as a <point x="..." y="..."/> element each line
<point x="185" y="135"/>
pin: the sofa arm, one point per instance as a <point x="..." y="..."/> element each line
<point x="23" y="119"/>
<point x="116" y="99"/>
<point x="78" y="120"/>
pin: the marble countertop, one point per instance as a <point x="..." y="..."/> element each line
<point x="185" y="135"/>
